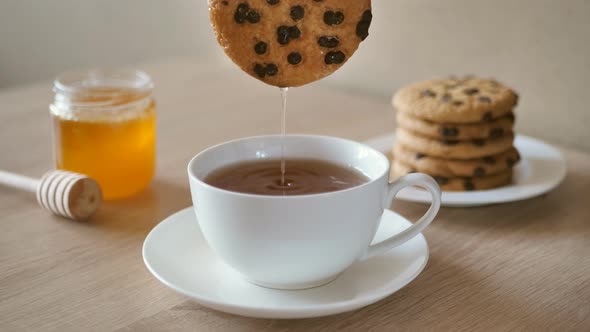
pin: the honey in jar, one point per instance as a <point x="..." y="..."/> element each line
<point x="104" y="126"/>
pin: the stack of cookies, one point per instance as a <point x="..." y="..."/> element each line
<point x="459" y="131"/>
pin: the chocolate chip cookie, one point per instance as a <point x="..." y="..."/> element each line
<point x="451" y="100"/>
<point x="289" y="43"/>
<point x="466" y="131"/>
<point x="458" y="183"/>
<point x="476" y="168"/>
<point x="453" y="149"/>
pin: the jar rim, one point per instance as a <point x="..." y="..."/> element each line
<point x="101" y="94"/>
<point x="75" y="82"/>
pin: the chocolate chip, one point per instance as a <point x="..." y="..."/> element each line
<point x="294" y="58"/>
<point x="485" y="99"/>
<point x="272" y="2"/>
<point x="241" y="13"/>
<point x="496" y="132"/>
<point x="362" y="28"/>
<point x="225" y="3"/>
<point x="334" y="58"/>
<point x="428" y="93"/>
<point x="297" y="13"/>
<point x="457" y="103"/>
<point x="271" y="69"/>
<point x="478" y="142"/>
<point x="449" y="142"/>
<point x="260" y="47"/>
<point x="253" y="16"/>
<point x="333" y="18"/>
<point x="487" y="116"/>
<point x="510" y="162"/>
<point x="515" y="99"/>
<point x="449" y="131"/>
<point x="489" y="160"/>
<point x="294" y="32"/>
<point x="446" y="97"/>
<point x="328" y="41"/>
<point x="468" y="185"/>
<point x="510" y="116"/>
<point x="441" y="180"/>
<point x="471" y="91"/>
<point x="243" y="8"/>
<point x="420" y="155"/>
<point x="283" y="34"/>
<point x="260" y="70"/>
<point x="479" y="172"/>
<point x="244" y="13"/>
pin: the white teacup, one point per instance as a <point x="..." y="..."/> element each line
<point x="295" y="242"/>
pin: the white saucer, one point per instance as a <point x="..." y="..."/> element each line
<point x="177" y="255"/>
<point x="541" y="169"/>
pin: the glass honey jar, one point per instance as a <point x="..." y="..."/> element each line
<point x="104" y="126"/>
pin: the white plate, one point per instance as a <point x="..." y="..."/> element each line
<point x="178" y="256"/>
<point x="541" y="169"/>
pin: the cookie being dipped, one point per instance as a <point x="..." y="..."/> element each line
<point x="289" y="43"/>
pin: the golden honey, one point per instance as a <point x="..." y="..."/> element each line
<point x="105" y="128"/>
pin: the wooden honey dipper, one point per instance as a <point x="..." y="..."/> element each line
<point x="67" y="194"/>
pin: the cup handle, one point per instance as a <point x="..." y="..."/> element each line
<point x="414" y="179"/>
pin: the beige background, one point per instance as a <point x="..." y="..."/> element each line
<point x="540" y="47"/>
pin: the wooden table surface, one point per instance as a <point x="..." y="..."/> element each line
<point x="516" y="266"/>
